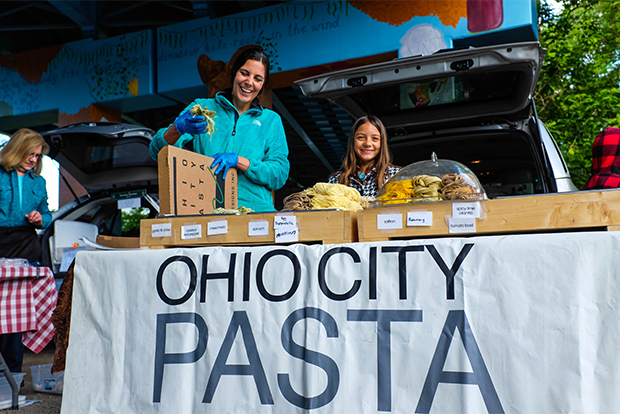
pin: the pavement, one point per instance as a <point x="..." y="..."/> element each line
<point x="46" y="403"/>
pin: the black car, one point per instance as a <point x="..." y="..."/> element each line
<point x="473" y="106"/>
<point x="112" y="162"/>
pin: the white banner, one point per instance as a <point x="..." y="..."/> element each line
<point x="514" y="324"/>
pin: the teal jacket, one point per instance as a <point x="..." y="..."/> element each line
<point x="256" y="134"/>
<point x="34" y="197"/>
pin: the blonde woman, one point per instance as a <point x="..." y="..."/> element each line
<point x="23" y="208"/>
<point x="368" y="162"/>
<point x="23" y="196"/>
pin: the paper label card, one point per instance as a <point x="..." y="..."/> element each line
<point x="129" y="203"/>
<point x="286" y="234"/>
<point x="258" y="228"/>
<point x="68" y="255"/>
<point x="389" y="221"/>
<point x="462" y="225"/>
<point x="419" y="218"/>
<point x="217" y="227"/>
<point x="284" y="221"/>
<point x="463" y="210"/>
<point x="192" y="231"/>
<point x="161" y="230"/>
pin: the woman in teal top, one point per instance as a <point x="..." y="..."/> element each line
<point x="23" y="208"/>
<point x="23" y="195"/>
<point x="246" y="136"/>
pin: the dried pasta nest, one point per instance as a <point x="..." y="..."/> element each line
<point x="426" y="188"/>
<point x="297" y="201"/>
<point x="239" y="211"/>
<point x="325" y="196"/>
<point x="365" y="201"/>
<point x="209" y="115"/>
<point x="456" y="188"/>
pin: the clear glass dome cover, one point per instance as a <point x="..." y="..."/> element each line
<point x="430" y="181"/>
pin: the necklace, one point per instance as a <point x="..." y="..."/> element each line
<point x="361" y="175"/>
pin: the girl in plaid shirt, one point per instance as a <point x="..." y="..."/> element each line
<point x="368" y="163"/>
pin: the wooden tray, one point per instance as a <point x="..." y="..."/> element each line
<point x="521" y="214"/>
<point x="319" y="226"/>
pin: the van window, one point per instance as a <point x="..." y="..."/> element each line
<point x="463" y="88"/>
<point x="504" y="163"/>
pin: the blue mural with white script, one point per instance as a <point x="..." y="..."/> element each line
<point x="152" y="68"/>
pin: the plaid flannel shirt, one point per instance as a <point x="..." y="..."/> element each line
<point x="605" y="161"/>
<point x="366" y="186"/>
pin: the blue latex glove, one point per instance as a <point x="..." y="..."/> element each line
<point x="187" y="123"/>
<point x="226" y="160"/>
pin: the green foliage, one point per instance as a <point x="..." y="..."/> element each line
<point x="131" y="219"/>
<point x="577" y="94"/>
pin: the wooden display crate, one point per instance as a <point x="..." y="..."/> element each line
<point x="119" y="242"/>
<point x="319" y="226"/>
<point x="522" y="214"/>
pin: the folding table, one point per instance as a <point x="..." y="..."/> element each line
<point x="27" y="299"/>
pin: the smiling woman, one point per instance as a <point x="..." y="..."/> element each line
<point x="246" y="136"/>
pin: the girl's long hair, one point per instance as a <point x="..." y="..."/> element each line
<point x="381" y="162"/>
<point x="20" y="146"/>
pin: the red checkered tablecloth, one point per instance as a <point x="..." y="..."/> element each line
<point x="27" y="299"/>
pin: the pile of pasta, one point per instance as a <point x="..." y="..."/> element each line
<point x="427" y="188"/>
<point x="324" y="196"/>
<point x="209" y="115"/>
<point x="239" y="211"/>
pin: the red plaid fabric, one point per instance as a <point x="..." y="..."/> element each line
<point x="605" y="161"/>
<point x="27" y="299"/>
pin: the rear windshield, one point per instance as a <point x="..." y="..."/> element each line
<point x="464" y="88"/>
<point x="97" y="158"/>
<point x="505" y="163"/>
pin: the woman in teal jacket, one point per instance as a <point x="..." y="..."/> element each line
<point x="23" y="208"/>
<point x="246" y="136"/>
<point x="23" y="195"/>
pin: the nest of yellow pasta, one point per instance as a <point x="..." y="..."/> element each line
<point x="325" y="196"/>
<point x="199" y="110"/>
<point x="428" y="188"/>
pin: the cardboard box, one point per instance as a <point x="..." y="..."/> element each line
<point x="188" y="186"/>
<point x="119" y="242"/>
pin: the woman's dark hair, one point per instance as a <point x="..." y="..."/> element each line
<point x="254" y="53"/>
<point x="381" y="162"/>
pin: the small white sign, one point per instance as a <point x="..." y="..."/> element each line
<point x="466" y="210"/>
<point x="389" y="221"/>
<point x="161" y="230"/>
<point x="68" y="256"/>
<point x="462" y="225"/>
<point x="192" y="231"/>
<point x="419" y="218"/>
<point x="258" y="228"/>
<point x="217" y="227"/>
<point x="129" y="203"/>
<point x="284" y="221"/>
<point x="287" y="234"/>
